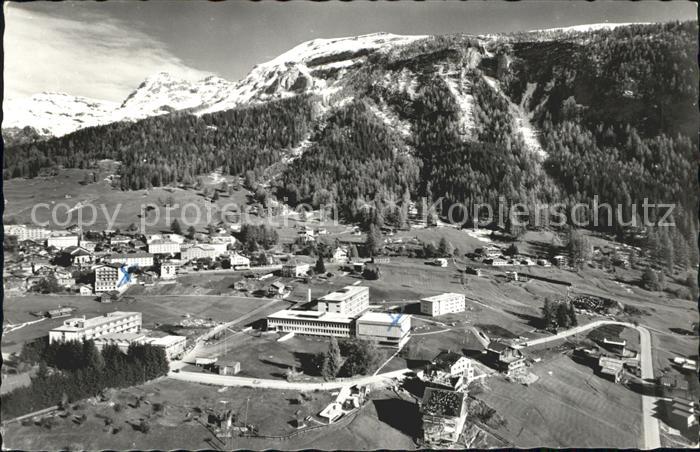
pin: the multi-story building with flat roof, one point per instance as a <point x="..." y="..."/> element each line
<point x="107" y="277"/>
<point x="24" y="232"/>
<point x="193" y="252"/>
<point x="141" y="260"/>
<point x="313" y="323"/>
<point x="387" y="330"/>
<point x="62" y="241"/>
<point x="79" y="329"/>
<point x="163" y="247"/>
<point x="349" y="301"/>
<point x="446" y="303"/>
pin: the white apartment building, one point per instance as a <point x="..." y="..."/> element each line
<point x="168" y="270"/>
<point x="198" y="252"/>
<point x="311" y="323"/>
<point x="446" y="303"/>
<point x="24" y="232"/>
<point x="239" y="262"/>
<point x="387" y="330"/>
<point x="107" y="277"/>
<point x="141" y="260"/>
<point x="62" y="241"/>
<point x="163" y="247"/>
<point x="79" y="329"/>
<point x="349" y="301"/>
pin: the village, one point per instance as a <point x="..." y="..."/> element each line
<point x="437" y="331"/>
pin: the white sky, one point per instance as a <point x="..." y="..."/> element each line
<point x="102" y="58"/>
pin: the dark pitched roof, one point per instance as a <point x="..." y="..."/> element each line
<point x="442" y="402"/>
<point x="446" y="359"/>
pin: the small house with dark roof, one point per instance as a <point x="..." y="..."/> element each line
<point x="505" y="358"/>
<point x="443" y="414"/>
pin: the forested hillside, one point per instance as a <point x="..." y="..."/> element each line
<point x="612" y="113"/>
<point x="618" y="113"/>
<point x="175" y="148"/>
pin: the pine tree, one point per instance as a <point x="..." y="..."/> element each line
<point x="573" y="321"/>
<point x="191" y="232"/>
<point x="547" y="313"/>
<point x="320" y="266"/>
<point x="332" y="360"/>
<point x="175" y="227"/>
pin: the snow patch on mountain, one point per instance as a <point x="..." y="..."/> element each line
<point x="590" y="27"/>
<point x="521" y="119"/>
<point x="56" y="114"/>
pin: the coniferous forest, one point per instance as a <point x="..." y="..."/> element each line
<point x="621" y="99"/>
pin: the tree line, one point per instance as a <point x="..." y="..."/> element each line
<point x="75" y="370"/>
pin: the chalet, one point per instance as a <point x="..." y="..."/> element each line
<point x="84" y="290"/>
<point x="341" y="255"/>
<point x="453" y="364"/>
<point x="76" y="255"/>
<point x="294" y="269"/>
<point x="443" y="414"/>
<point x="496" y="262"/>
<point x="449" y="370"/>
<point x="610" y="368"/>
<point x="505" y="358"/>
<point x="277" y="288"/>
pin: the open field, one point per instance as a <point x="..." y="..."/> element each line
<point x="111" y="204"/>
<point x="162" y="310"/>
<point x="567" y="405"/>
<point x="172" y="423"/>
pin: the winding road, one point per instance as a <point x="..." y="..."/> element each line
<point x="226" y="380"/>
<point x="650" y="423"/>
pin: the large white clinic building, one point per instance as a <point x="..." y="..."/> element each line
<point x="386" y="329"/>
<point x="349" y="301"/>
<point x="79" y="329"/>
<point x="313" y="323"/>
<point x="446" y="303"/>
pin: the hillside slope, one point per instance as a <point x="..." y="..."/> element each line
<point x="378" y="119"/>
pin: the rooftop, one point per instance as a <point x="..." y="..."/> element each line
<point x="344" y="293"/>
<point x="442" y="402"/>
<point x="442" y="296"/>
<point x="447" y="358"/>
<point x="130" y="255"/>
<point x="383" y="318"/>
<point x="314" y="316"/>
<point x="78" y="323"/>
